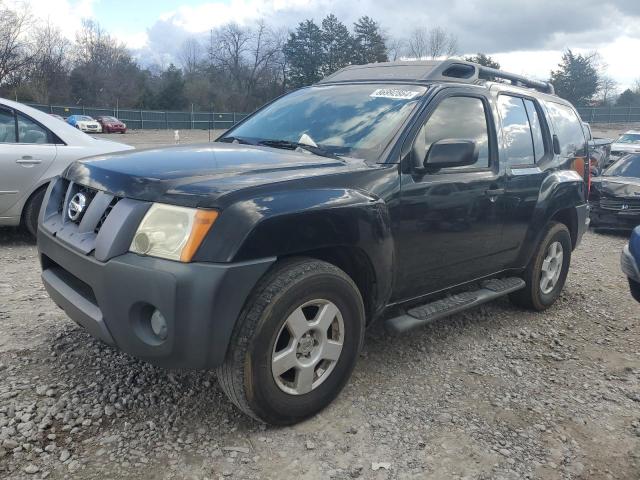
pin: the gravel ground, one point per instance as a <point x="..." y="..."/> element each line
<point x="496" y="392"/>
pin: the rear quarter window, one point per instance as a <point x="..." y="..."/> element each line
<point x="568" y="128"/>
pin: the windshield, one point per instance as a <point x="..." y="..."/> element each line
<point x="352" y="120"/>
<point x="109" y="119"/>
<point x="628" y="166"/>
<point x="86" y="119"/>
<point x="629" y="138"/>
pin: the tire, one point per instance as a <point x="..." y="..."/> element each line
<point x="634" y="287"/>
<point x="32" y="210"/>
<point x="533" y="296"/>
<point x="290" y="288"/>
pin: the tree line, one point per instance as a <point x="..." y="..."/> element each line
<point x="234" y="68"/>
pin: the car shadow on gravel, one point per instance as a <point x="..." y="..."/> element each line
<point x="15" y="236"/>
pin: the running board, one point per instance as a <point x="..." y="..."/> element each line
<point x="423" y="314"/>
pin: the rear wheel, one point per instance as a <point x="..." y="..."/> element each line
<point x="296" y="342"/>
<point x="32" y="210"/>
<point x="547" y="271"/>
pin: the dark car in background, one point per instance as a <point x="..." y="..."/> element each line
<point x="111" y="124"/>
<point x="599" y="151"/>
<point x="629" y="263"/>
<point x="615" y="195"/>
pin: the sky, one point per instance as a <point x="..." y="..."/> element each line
<point x="525" y="36"/>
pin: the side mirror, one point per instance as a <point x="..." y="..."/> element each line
<point x="556" y="144"/>
<point x="451" y="152"/>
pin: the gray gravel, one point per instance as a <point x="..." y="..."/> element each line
<point x="496" y="392"/>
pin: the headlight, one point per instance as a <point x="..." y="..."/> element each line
<point x="171" y="232"/>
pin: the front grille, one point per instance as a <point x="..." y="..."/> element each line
<point x="623" y="205"/>
<point x="106" y="213"/>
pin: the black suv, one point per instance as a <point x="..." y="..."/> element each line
<point x="401" y="192"/>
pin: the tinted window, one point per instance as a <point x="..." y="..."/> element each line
<point x="31" y="132"/>
<point x="7" y="127"/>
<point x="536" y="129"/>
<point x="628" y="166"/>
<point x="568" y="128"/>
<point x="517" y="133"/>
<point x="455" y="117"/>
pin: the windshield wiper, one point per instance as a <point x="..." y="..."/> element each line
<point x="293" y="145"/>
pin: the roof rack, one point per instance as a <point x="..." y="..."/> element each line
<point x="446" y="70"/>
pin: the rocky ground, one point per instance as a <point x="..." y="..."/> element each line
<point x="496" y="392"/>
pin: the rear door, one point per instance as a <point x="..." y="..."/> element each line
<point x="27" y="149"/>
<point x="526" y="144"/>
<point x="446" y="225"/>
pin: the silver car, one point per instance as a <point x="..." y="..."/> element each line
<point x="34" y="148"/>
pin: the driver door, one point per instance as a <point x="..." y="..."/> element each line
<point x="448" y="224"/>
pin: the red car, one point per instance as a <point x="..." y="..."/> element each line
<point x="111" y="125"/>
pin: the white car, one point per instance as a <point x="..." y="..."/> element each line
<point x="629" y="142"/>
<point x="34" y="148"/>
<point x="85" y="123"/>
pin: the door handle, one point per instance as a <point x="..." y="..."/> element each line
<point x="28" y="160"/>
<point x="494" y="192"/>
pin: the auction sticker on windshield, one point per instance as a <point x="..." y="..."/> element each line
<point x="394" y="93"/>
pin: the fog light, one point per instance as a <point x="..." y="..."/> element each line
<point x="159" y="325"/>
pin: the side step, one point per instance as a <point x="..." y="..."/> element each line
<point x="423" y="314"/>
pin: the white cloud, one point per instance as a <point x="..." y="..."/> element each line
<point x="65" y="14"/>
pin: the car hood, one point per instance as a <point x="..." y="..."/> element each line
<point x="625" y="147"/>
<point x="198" y="175"/>
<point x="626" y="187"/>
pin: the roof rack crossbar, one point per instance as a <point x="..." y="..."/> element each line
<point x="488" y="73"/>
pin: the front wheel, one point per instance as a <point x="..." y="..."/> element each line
<point x="296" y="342"/>
<point x="547" y="271"/>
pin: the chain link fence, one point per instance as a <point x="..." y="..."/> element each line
<point x="151" y="119"/>
<point x="608" y="115"/>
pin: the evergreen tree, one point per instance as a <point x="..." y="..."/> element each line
<point x="577" y="78"/>
<point x="303" y="53"/>
<point x="369" y="41"/>
<point x="171" y="95"/>
<point x="484" y="60"/>
<point x="337" y="45"/>
<point x="628" y="98"/>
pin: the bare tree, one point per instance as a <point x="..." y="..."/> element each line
<point x="190" y="55"/>
<point x="50" y="65"/>
<point x="441" y="43"/>
<point x="607" y="88"/>
<point x="418" y="43"/>
<point x="16" y="49"/>
<point x="432" y="44"/>
<point x="395" y="48"/>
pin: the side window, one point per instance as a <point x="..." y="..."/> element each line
<point x="7" y="127"/>
<point x="517" y="132"/>
<point x="536" y="129"/>
<point x="31" y="132"/>
<point x="568" y="128"/>
<point x="455" y="117"/>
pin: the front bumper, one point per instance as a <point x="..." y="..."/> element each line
<point x="582" y="212"/>
<point x="628" y="265"/>
<point x="113" y="299"/>
<point x="613" y="219"/>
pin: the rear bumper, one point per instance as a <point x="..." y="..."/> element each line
<point x="113" y="301"/>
